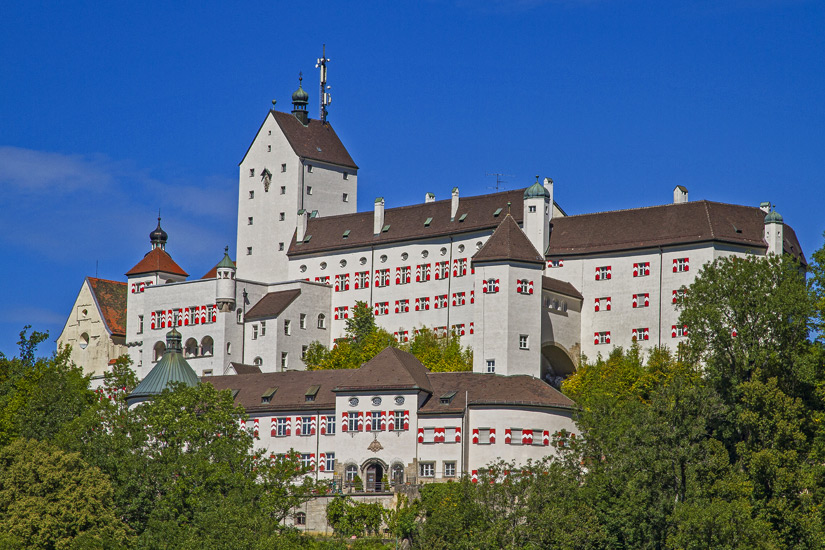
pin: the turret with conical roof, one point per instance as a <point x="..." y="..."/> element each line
<point x="774" y="232"/>
<point x="171" y="368"/>
<point x="225" y="286"/>
<point x="300" y="100"/>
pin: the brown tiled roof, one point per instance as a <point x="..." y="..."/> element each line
<point x="291" y="393"/>
<point x="111" y="301"/>
<point x="670" y="224"/>
<point x="407" y="223"/>
<point x="508" y="243"/>
<point x="314" y="141"/>
<point x="560" y="287"/>
<point x="490" y="389"/>
<point x="392" y="369"/>
<point x="272" y="304"/>
<point x="241" y="368"/>
<point x="157" y="260"/>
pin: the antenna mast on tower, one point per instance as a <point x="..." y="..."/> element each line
<point x="324" y="96"/>
<point x="498" y="176"/>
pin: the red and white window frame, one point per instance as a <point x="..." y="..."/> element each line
<point x="603" y="304"/>
<point x="402" y="306"/>
<point x="680" y="265"/>
<point x="402" y="275"/>
<point x="342" y="282"/>
<point x="641" y="300"/>
<point x="604" y="273"/>
<point x="638" y="334"/>
<point x="641" y="269"/>
<point x="382" y="277"/>
<point x="361" y="280"/>
<point x="602" y="337"/>
<point x="341" y="312"/>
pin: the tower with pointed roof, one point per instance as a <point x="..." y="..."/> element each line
<point x="538" y="200"/>
<point x="225" y="283"/>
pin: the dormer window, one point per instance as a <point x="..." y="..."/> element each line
<point x="447" y="398"/>
<point x="268" y="394"/>
<point x="311" y="393"/>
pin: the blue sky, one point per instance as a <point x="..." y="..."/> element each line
<point x="109" y="111"/>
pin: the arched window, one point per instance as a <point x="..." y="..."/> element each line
<point x="322" y="321"/>
<point x="240" y="316"/>
<point x="350" y="472"/>
<point x="397" y="474"/>
<point x="84" y="340"/>
<point x="300" y="518"/>
<point x="191" y="348"/>
<point x="158" y="351"/>
<point x="491" y="285"/>
<point x="207" y="346"/>
<point x="258" y="362"/>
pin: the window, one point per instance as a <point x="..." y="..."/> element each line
<point x="484" y="436"/>
<point x="304" y="352"/>
<point x="460" y="266"/>
<point x="449" y="435"/>
<point x="426" y="469"/>
<point x="252" y="194"/>
<point x="257" y="361"/>
<point x="140" y="324"/>
<point x="350" y="473"/>
<point x="375" y="421"/>
<point x="249" y="220"/>
<point x="382" y="308"/>
<point x="440" y="301"/>
<point x="345" y="197"/>
<point x="679" y="331"/>
<point x="680" y="265"/>
<point x="522" y="342"/>
<point x="330" y="465"/>
<point x="302" y="321"/>
<point x="342" y="312"/>
<point x="382" y="277"/>
<point x="449" y="469"/>
<point x="268" y="148"/>
<point x="603" y="273"/>
<point x="280" y="427"/>
<point x="641" y="300"/>
<point x="601" y="337"/>
<point x="422" y="273"/>
<point x="207" y="372"/>
<point x="429" y="435"/>
<point x="263" y="328"/>
<point x="306" y="425"/>
<point x="322" y="321"/>
<point x="287" y="327"/>
<point x="531" y="209"/>
<point x="536" y="438"/>
<point x="678" y="293"/>
<point x="331" y="425"/>
<point x="281" y="217"/>
<point x="397" y="421"/>
<point x="640" y="334"/>
<point x="422" y="304"/>
<point x="251" y="172"/>
<point x="346" y="176"/>
<point x="240" y="316"/>
<point x="402" y="306"/>
<point x="309" y="189"/>
<point x="342" y="282"/>
<point x="249" y="251"/>
<point x="523" y="286"/>
<point x="516" y="436"/>
<point x="283" y="190"/>
<point x="555" y="263"/>
<point x="491" y="366"/>
<point x="300" y="518"/>
<point x="442" y="270"/>
<point x="284" y="360"/>
<point x="254" y="332"/>
<point x="641" y="269"/>
<point x="283" y="168"/>
<point x="402" y="275"/>
<point x="362" y="280"/>
<point x="491" y="286"/>
<point x="306" y="460"/>
<point x="352" y="421"/>
<point x="603" y="304"/>
<point x="309" y="168"/>
<point x="280" y="247"/>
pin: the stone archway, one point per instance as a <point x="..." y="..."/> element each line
<point x="557" y="363"/>
<point x="374" y="471"/>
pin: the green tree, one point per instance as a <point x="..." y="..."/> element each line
<point x="349" y="518"/>
<point x="52" y="499"/>
<point x="441" y="354"/>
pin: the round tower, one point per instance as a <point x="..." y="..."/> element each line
<point x="225" y="285"/>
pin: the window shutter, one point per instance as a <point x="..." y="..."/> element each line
<point x="475" y="436"/>
<point x="472" y="328"/>
<point x="344" y="421"/>
<point x="297" y="425"/>
<point x="323" y="424"/>
<point x="609" y="272"/>
<point x="474" y="476"/>
<point x="634" y="334"/>
<point x="607" y="307"/>
<point x="687" y="264"/>
<point x="497" y="285"/>
<point x="312" y="425"/>
<point x="492" y="435"/>
<point x="635" y="300"/>
<point x="596" y="338"/>
<point x="530" y="287"/>
<point x="647" y="299"/>
<point x="647" y="334"/>
<point x="406" y="420"/>
<point x="421" y="435"/>
<point x="635" y="270"/>
<point x="360" y="421"/>
<point x="312" y="460"/>
<point x="545" y="437"/>
<point x="273" y="427"/>
<point x="153" y="320"/>
<point x="458" y="434"/>
<point x="507" y="436"/>
<point x="598" y="304"/>
<point x="256" y="428"/>
<point x="675" y="264"/>
<point x="647" y="268"/>
<point x="322" y="462"/>
<point x="673" y="331"/>
<point x="598" y="274"/>
<point x="607" y="337"/>
<point x="288" y="425"/>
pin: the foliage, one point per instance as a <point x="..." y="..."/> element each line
<point x="349" y="518"/>
<point x="52" y="499"/>
<point x="441" y="354"/>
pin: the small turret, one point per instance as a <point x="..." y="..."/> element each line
<point x="537" y="211"/>
<point x="774" y="232"/>
<point x="158" y="237"/>
<point x="225" y="286"/>
<point x="300" y="100"/>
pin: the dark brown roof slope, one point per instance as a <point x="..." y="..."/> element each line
<point x="670" y="224"/>
<point x="561" y="287"/>
<point x="111" y="301"/>
<point x="491" y="389"/>
<point x="241" y="368"/>
<point x="291" y="389"/>
<point x="157" y="260"/>
<point x="509" y="243"/>
<point x="314" y="141"/>
<point x="407" y="222"/>
<point x="272" y="304"/>
<point x="390" y="369"/>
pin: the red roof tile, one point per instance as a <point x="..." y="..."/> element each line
<point x="111" y="301"/>
<point x="157" y="260"/>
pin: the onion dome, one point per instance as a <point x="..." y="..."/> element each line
<point x="158" y="237"/>
<point x="300" y="96"/>
<point x="773" y="217"/>
<point x="536" y="190"/>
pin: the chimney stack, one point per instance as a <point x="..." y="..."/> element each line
<point x="454" y="205"/>
<point x="301" y="226"/>
<point x="680" y="194"/>
<point x="429" y="197"/>
<point x="548" y="184"/>
<point x="378" y="223"/>
<point x="765" y="207"/>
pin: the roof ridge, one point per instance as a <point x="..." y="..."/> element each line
<point x="700" y="201"/>
<point x="107" y="280"/>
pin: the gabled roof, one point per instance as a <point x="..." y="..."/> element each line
<point x="157" y="260"/>
<point x="315" y="141"/>
<point x="291" y="389"/>
<point x="560" y="287"/>
<point x="479" y="213"/>
<point x="391" y="369"/>
<point x="475" y="388"/>
<point x="272" y="304"/>
<point x="666" y="225"/>
<point x="508" y="243"/>
<point x="241" y="368"/>
<point x="110" y="297"/>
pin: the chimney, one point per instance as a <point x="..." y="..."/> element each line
<point x="454" y="205"/>
<point x="301" y="226"/>
<point x="680" y="194"/>
<point x="765" y="207"/>
<point x="429" y="197"/>
<point x="378" y="223"/>
<point x="548" y="184"/>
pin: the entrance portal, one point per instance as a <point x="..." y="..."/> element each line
<point x="375" y="475"/>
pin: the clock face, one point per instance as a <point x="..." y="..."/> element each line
<point x="399" y="400"/>
<point x="353" y="401"/>
<point x="376" y="401"/>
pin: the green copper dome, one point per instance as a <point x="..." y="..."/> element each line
<point x="773" y="217"/>
<point x="226" y="262"/>
<point x="171" y="368"/>
<point x="536" y="190"/>
<point x="300" y="96"/>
